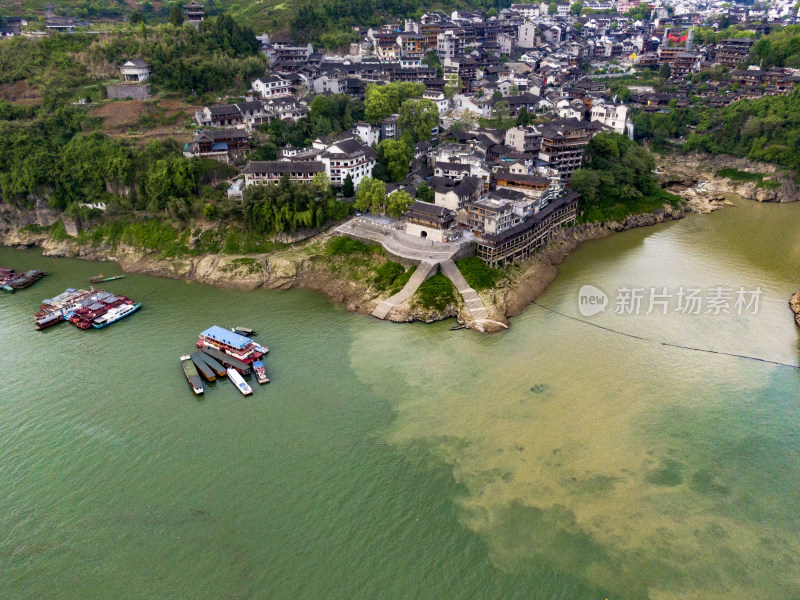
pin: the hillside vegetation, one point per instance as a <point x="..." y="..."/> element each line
<point x="766" y="129"/>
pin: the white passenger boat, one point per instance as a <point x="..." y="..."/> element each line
<point x="239" y="382"/>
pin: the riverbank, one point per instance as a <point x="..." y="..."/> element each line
<point x="352" y="280"/>
<point x="703" y="177"/>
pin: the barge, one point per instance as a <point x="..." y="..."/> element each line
<point x="191" y="374"/>
<point x="203" y="368"/>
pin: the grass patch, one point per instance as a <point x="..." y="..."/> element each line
<point x="249" y="265"/>
<point x="479" y="276"/>
<point x="745" y="177"/>
<point x="769" y="184"/>
<point x="400" y="282"/>
<point x="59" y="232"/>
<point x="737" y="175"/>
<point x="33" y="228"/>
<point x="388" y="272"/>
<point x="435" y="293"/>
<point x="248" y="242"/>
<point x="340" y="245"/>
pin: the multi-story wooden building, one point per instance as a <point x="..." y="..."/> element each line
<point x="521" y="241"/>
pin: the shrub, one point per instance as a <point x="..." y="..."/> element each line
<point x="478" y="275"/>
<point x="344" y="245"/>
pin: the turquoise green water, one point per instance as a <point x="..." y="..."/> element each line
<point x="556" y="460"/>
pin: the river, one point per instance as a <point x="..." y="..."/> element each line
<point x="560" y="459"/>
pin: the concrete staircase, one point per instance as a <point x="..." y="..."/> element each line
<point x="424" y="271"/>
<point x="471" y="299"/>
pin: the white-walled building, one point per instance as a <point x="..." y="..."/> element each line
<point x="611" y="115"/>
<point x="135" y="71"/>
<point x="348" y="157"/>
<point x="272" y="87"/>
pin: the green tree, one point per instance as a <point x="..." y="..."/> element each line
<point x="665" y="71"/>
<point x="552" y="8"/>
<point x="395" y="156"/>
<point x="175" y="14"/>
<point x="211" y="212"/>
<point x="371" y="195"/>
<point x="425" y="193"/>
<point x="381" y="101"/>
<point x="399" y="203"/>
<point x="419" y="118"/>
<point x="575" y="8"/>
<point x="348" y="189"/>
<point x="523" y="117"/>
<point x="500" y="110"/>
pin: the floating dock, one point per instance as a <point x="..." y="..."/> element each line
<point x="219" y="355"/>
<point x="213" y="364"/>
<point x="203" y="368"/>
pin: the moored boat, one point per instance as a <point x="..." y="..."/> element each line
<point x="226" y="360"/>
<point x="101" y="279"/>
<point x="115" y="314"/>
<point x="191" y="374"/>
<point x="239" y="382"/>
<point x="202" y="367"/>
<point x="214" y="365"/>
<point x="260" y="371"/>
<point x="19" y="281"/>
<point x="243" y="331"/>
<point x="60" y="308"/>
<point x="236" y="346"/>
<point x="96" y="306"/>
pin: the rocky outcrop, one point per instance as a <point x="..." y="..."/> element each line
<point x="696" y="172"/>
<point x="794" y="304"/>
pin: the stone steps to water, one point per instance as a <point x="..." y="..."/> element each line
<point x="471" y="299"/>
<point x="423" y="272"/>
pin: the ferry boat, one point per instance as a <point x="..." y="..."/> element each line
<point x="94" y="307"/>
<point x="239" y="382"/>
<point x="261" y="372"/>
<point x="58" y="309"/>
<point x="115" y="314"/>
<point x="191" y="374"/>
<point x="232" y="344"/>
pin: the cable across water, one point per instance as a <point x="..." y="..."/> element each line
<point x="646" y="339"/>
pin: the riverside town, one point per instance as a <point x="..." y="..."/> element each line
<point x="517" y="180"/>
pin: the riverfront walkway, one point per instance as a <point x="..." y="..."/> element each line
<point x="399" y="243"/>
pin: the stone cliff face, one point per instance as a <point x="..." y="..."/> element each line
<point x="697" y="173"/>
<point x="794" y="304"/>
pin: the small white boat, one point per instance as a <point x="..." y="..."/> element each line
<point x="239" y="382"/>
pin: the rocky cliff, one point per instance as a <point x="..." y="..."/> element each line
<point x="695" y="174"/>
